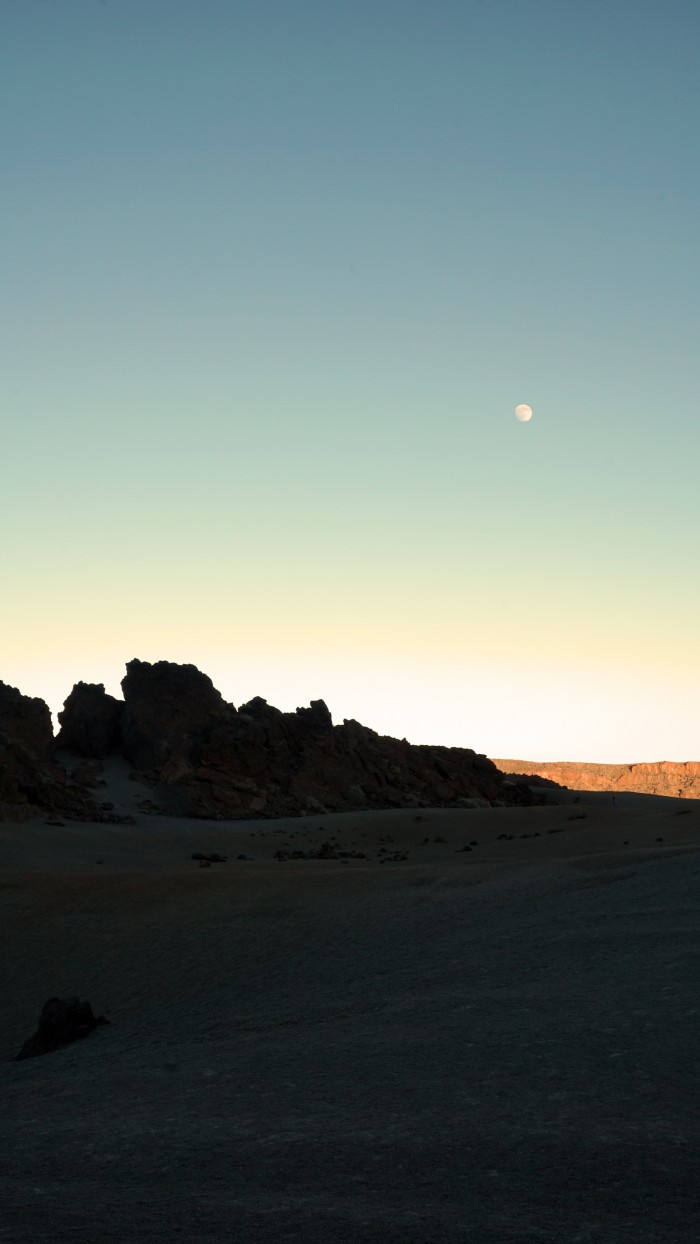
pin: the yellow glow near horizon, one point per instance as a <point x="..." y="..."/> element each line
<point x="499" y="707"/>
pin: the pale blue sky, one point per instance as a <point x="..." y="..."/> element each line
<point x="274" y="278"/>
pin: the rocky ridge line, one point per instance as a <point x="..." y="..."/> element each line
<point x="202" y="757"/>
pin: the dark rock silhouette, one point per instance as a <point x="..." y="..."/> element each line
<point x="166" y="707"/>
<point x="27" y="721"/>
<point x="203" y="758"/>
<point x="62" y="1021"/>
<point x="90" y="721"/>
<point x="529" y="777"/>
<point x="31" y="783"/>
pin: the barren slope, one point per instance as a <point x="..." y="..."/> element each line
<point x="495" y="1045"/>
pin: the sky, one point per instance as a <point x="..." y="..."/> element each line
<point x="274" y="278"/>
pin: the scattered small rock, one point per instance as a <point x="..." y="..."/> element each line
<point x="326" y="851"/>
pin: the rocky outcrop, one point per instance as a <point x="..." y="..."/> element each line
<point x="27" y="721"/>
<point x="31" y="783"/>
<point x="90" y="722"/>
<point x="527" y="778"/>
<point x="205" y="758"/>
<point x="166" y="707"/>
<point x="664" y="777"/>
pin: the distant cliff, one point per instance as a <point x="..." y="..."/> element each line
<point x="663" y="777"/>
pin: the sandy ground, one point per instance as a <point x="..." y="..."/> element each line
<point x="488" y="1046"/>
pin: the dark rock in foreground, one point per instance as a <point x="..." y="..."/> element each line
<point x="62" y="1021"/>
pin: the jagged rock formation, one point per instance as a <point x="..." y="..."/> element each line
<point x="31" y="783"/>
<point x="205" y="758"/>
<point x="26" y="720"/>
<point x="202" y="757"/>
<point x="90" y="721"/>
<point x="166" y="707"/>
<point x="664" y="777"/>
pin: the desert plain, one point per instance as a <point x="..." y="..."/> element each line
<point x="488" y="1046"/>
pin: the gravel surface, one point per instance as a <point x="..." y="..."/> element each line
<point x="402" y="1054"/>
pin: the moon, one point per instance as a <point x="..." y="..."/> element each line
<point x="523" y="413"/>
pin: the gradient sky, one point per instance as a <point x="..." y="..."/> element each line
<point x="274" y="277"/>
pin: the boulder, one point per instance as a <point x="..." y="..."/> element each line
<point x="62" y="1021"/>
